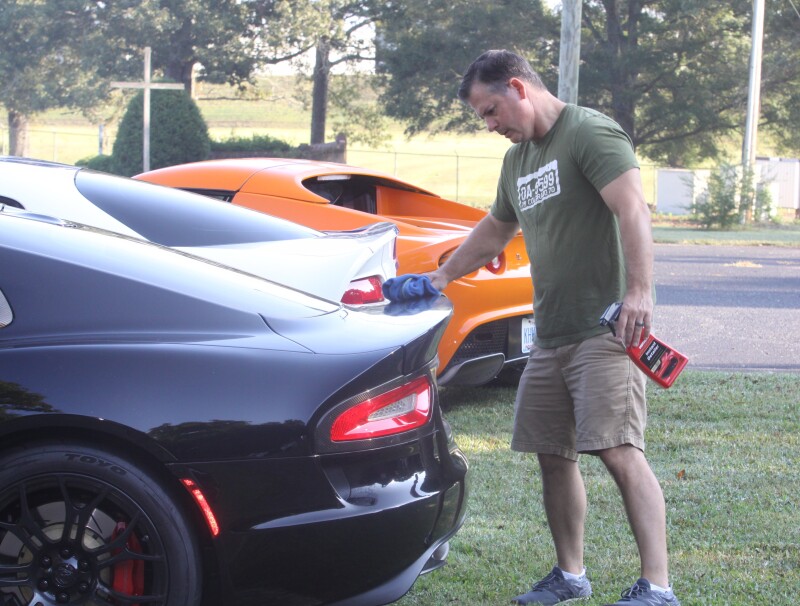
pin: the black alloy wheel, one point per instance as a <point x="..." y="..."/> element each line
<point x="80" y="525"/>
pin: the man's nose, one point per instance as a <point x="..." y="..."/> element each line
<point x="491" y="124"/>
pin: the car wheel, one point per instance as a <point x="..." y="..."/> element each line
<point x="79" y="525"/>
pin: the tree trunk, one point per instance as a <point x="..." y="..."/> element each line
<point x="183" y="73"/>
<point x="18" y="134"/>
<point x="319" y="97"/>
<point x="623" y="79"/>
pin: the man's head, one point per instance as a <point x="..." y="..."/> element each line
<point x="509" y="96"/>
<point x="495" y="68"/>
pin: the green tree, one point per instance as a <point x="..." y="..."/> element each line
<point x="355" y="112"/>
<point x="48" y="60"/>
<point x="673" y="73"/>
<point x="210" y="40"/>
<point x="337" y="32"/>
<point x="423" y="47"/>
<point x="780" y="97"/>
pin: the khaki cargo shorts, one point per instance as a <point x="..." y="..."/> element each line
<point x="580" y="398"/>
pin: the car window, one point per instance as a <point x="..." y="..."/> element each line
<point x="349" y="192"/>
<point x="173" y="217"/>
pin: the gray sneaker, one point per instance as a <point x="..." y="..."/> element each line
<point x="642" y="595"/>
<point x="555" y="589"/>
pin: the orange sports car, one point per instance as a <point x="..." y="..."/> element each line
<point x="492" y="325"/>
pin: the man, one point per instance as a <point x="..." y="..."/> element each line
<point x="571" y="183"/>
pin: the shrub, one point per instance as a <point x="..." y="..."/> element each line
<point x="102" y="163"/>
<point x="719" y="204"/>
<point x="733" y="196"/>
<point x="256" y="143"/>
<point x="178" y="133"/>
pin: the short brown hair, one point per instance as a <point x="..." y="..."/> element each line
<point x="495" y="68"/>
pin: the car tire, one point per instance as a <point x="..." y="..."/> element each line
<point x="83" y="525"/>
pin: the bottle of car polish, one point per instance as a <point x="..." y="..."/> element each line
<point x="655" y="358"/>
<point x="658" y="360"/>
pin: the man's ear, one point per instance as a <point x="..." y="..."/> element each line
<point x="519" y="86"/>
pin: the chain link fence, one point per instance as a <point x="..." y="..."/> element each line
<point x="61" y="145"/>
<point x="469" y="179"/>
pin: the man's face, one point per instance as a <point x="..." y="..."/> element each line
<point x="506" y="113"/>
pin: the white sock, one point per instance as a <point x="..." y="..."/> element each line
<point x="659" y="589"/>
<point x="572" y="577"/>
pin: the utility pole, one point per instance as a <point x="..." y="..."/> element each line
<point x="569" y="56"/>
<point x="753" y="103"/>
<point x="754" y="91"/>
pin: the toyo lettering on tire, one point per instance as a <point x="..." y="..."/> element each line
<point x="79" y="525"/>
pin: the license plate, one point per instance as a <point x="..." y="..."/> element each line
<point x="528" y="334"/>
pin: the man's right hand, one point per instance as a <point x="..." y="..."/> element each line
<point x="437" y="279"/>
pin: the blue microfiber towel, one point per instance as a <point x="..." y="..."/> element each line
<point x="411" y="307"/>
<point x="408" y="287"/>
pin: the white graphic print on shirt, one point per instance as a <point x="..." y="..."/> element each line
<point x="537" y="187"/>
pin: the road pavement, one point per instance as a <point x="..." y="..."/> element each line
<point x="730" y="307"/>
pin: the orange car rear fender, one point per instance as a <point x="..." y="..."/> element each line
<point x="462" y="323"/>
<point x="480" y="298"/>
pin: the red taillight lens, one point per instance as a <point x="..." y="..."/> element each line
<point x="496" y="264"/>
<point x="363" y="291"/>
<point x="402" y="409"/>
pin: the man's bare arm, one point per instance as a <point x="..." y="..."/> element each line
<point x="625" y="198"/>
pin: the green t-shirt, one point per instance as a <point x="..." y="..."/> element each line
<point x="551" y="188"/>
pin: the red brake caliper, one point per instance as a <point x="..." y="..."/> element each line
<point x="128" y="574"/>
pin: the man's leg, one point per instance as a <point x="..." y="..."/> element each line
<point x="564" y="498"/>
<point x="644" y="504"/>
<point x="544" y="423"/>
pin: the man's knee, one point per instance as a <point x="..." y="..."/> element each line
<point x="620" y="459"/>
<point x="629" y="468"/>
<point x="555" y="464"/>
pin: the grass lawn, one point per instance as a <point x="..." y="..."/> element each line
<point x="726" y="450"/>
<point x="783" y="235"/>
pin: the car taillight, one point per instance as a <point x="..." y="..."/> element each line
<point x="496" y="264"/>
<point x="396" y="411"/>
<point x="363" y="291"/>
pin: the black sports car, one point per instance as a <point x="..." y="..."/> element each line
<point x="175" y="432"/>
